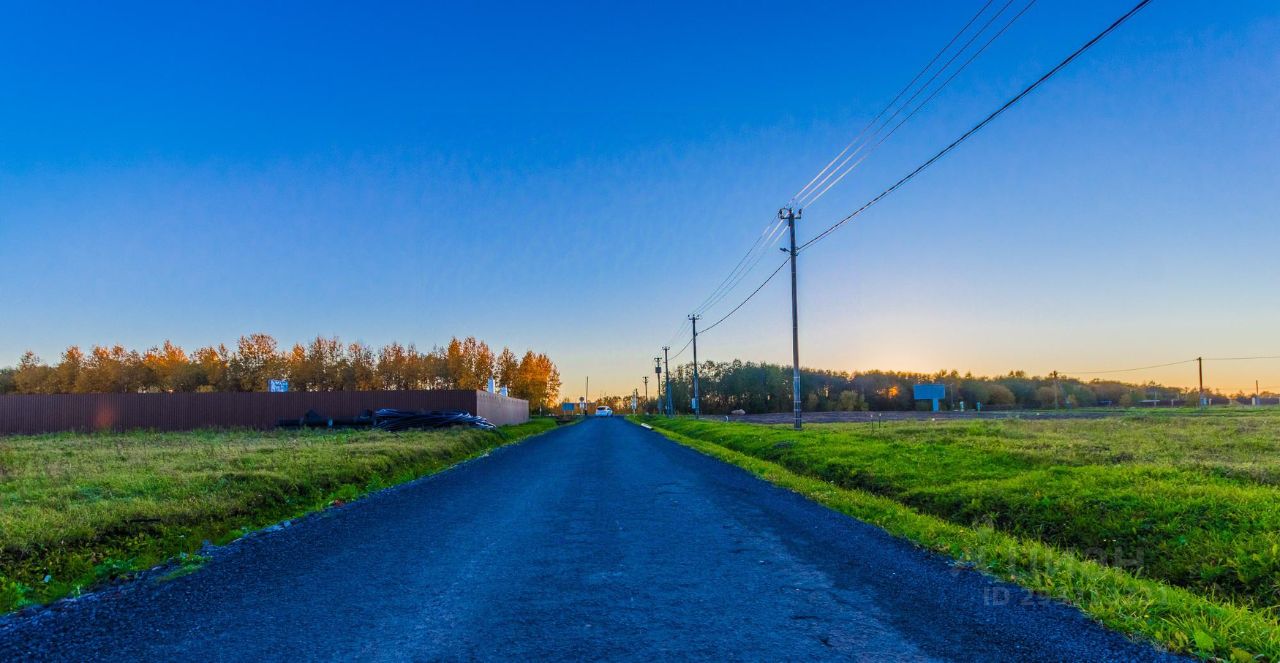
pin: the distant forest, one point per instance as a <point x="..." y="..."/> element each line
<point x="763" y="387"/>
<point x="324" y="364"/>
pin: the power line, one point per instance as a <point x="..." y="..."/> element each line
<point x="1008" y="104"/>
<point x="929" y="98"/>
<point x="772" y="232"/>
<point x="760" y="251"/>
<point x="753" y="294"/>
<point x="912" y="98"/>
<point x="1172" y="363"/>
<point x="1129" y="370"/>
<point x="889" y="105"/>
<point x="678" y="333"/>
<point x="686" y="347"/>
<point x="767" y="237"/>
<point x="977" y="127"/>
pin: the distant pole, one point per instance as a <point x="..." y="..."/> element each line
<point x="657" y="376"/>
<point x="1056" y="387"/>
<point x="790" y="215"/>
<point x="666" y="370"/>
<point x="587" y="394"/>
<point x="646" y="393"/>
<point x="697" y="404"/>
<point x="1200" y="368"/>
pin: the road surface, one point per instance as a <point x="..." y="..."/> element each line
<point x="599" y="541"/>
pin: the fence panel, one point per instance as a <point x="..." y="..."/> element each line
<point x="47" y="413"/>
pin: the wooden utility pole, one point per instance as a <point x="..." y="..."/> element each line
<point x="1200" y="369"/>
<point x="666" y="384"/>
<point x="697" y="404"/>
<point x="790" y="215"/>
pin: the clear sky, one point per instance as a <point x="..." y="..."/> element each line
<point x="577" y="177"/>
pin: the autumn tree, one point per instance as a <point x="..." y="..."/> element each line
<point x="171" y="369"/>
<point x="323" y="364"/>
<point x="537" y="381"/>
<point x="211" y="364"/>
<point x="399" y="367"/>
<point x="67" y="372"/>
<point x="33" y="375"/>
<point x="507" y="368"/>
<point x="319" y="366"/>
<point x="360" y="371"/>
<point x="470" y="363"/>
<point x="113" y="370"/>
<point x="254" y="363"/>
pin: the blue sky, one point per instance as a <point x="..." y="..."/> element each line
<point x="577" y="177"/>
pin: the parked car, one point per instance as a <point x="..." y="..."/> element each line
<point x="604" y="411"/>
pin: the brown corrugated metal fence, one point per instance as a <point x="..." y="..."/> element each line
<point x="27" y="414"/>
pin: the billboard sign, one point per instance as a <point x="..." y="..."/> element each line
<point x="277" y="386"/>
<point x="929" y="392"/>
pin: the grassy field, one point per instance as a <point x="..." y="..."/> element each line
<point x="1096" y="512"/>
<point x="80" y="510"/>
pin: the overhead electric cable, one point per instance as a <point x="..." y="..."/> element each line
<point x="744" y="267"/>
<point x="678" y="332"/>
<point x="977" y="127"/>
<point x="686" y="347"/>
<point x="963" y="137"/>
<point x="769" y="231"/>
<point x="891" y="103"/>
<point x="807" y="200"/>
<point x="747" y="271"/>
<point x="1129" y="370"/>
<point x="748" y="298"/>
<point x="812" y="199"/>
<point x="770" y="236"/>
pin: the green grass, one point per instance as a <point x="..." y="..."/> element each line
<point x="80" y="510"/>
<point x="1166" y="526"/>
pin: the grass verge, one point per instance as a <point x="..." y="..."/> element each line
<point x="1178" y="618"/>
<point x="78" y="511"/>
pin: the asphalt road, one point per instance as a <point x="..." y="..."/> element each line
<point x="596" y="541"/>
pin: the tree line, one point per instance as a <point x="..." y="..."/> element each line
<point x="764" y="387"/>
<point x="324" y="364"/>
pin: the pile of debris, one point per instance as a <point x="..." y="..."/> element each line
<point x="390" y="419"/>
